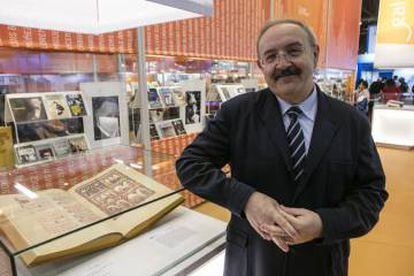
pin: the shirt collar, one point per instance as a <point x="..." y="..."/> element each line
<point x="308" y="106"/>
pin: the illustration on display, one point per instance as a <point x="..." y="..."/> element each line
<point x="56" y="107"/>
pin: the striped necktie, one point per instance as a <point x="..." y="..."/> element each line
<point x="296" y="142"/>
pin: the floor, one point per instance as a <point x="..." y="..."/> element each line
<point x="388" y="250"/>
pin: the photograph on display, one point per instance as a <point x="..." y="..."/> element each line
<point x="153" y="98"/>
<point x="49" y="129"/>
<point x="240" y="90"/>
<point x="56" y="107"/>
<point x="154" y="132"/>
<point x="193" y="106"/>
<point x="226" y="93"/>
<point x="76" y="104"/>
<point x="156" y="115"/>
<point x="61" y="147"/>
<point x="78" y="144"/>
<point x="57" y="211"/>
<point x="179" y="96"/>
<point x="26" y="154"/>
<point x="166" y="129"/>
<point x="27" y="109"/>
<point x="179" y="127"/>
<point x="106" y="117"/>
<point x="166" y="96"/>
<point x="45" y="152"/>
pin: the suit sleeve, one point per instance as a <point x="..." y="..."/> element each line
<point x="199" y="167"/>
<point x="359" y="211"/>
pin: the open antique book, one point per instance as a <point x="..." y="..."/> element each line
<point x="26" y="221"/>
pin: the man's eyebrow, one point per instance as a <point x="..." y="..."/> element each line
<point x="293" y="44"/>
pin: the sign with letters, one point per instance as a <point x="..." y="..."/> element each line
<point x="395" y="34"/>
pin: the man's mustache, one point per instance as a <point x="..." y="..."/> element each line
<point x="289" y="71"/>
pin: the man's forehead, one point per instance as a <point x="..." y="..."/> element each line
<point x="283" y="35"/>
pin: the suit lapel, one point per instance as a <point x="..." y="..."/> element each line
<point x="323" y="132"/>
<point x="271" y="116"/>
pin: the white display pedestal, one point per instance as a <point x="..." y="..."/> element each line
<point x="173" y="245"/>
<point x="393" y="127"/>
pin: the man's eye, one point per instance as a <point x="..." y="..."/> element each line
<point x="270" y="58"/>
<point x="295" y="52"/>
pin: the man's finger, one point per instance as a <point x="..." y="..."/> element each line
<point x="294" y="221"/>
<point x="273" y="230"/>
<point x="283" y="223"/>
<point x="281" y="244"/>
<point x="294" y="211"/>
<point x="257" y="228"/>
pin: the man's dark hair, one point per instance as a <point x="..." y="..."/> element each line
<point x="311" y="36"/>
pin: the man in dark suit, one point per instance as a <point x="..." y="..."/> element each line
<point x="306" y="176"/>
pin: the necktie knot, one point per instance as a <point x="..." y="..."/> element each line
<point x="294" y="112"/>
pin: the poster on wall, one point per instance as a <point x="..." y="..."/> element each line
<point x="27" y="109"/>
<point x="395" y="34"/>
<point x="56" y="107"/>
<point x="106" y="117"/>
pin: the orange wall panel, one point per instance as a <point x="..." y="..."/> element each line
<point x="229" y="34"/>
<point x="343" y="34"/>
<point x="311" y="12"/>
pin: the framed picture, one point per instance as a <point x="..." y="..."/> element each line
<point x="45" y="152"/>
<point x="56" y="106"/>
<point x="26" y="154"/>
<point x="49" y="129"/>
<point x="76" y="104"/>
<point x="107" y="120"/>
<point x="179" y="127"/>
<point x="27" y="109"/>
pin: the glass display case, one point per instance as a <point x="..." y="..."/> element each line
<point x="56" y="218"/>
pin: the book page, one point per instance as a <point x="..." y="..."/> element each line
<point x="120" y="188"/>
<point x="53" y="213"/>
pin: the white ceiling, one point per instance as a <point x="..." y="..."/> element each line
<point x="98" y="16"/>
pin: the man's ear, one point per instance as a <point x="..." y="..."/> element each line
<point x="316" y="55"/>
<point x="259" y="65"/>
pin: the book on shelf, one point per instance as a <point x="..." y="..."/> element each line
<point x="53" y="212"/>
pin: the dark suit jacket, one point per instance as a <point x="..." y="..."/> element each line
<point x="343" y="181"/>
